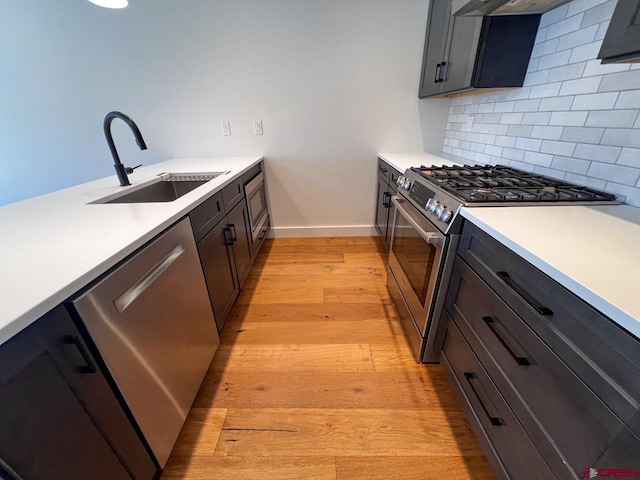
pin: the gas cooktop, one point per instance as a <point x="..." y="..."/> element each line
<point x="498" y="184"/>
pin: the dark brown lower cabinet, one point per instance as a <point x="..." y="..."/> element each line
<point x="59" y="418"/>
<point x="549" y="384"/>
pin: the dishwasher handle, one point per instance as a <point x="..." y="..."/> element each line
<point x="134" y="291"/>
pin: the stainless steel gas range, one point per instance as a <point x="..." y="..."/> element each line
<point x="426" y="231"/>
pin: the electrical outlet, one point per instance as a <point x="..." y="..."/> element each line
<point x="470" y="123"/>
<point x="257" y="127"/>
<point x="226" y="128"/>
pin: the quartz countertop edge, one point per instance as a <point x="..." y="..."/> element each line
<point x="590" y="250"/>
<point x="58" y="243"/>
<point x="404" y="160"/>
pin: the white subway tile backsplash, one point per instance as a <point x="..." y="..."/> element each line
<point x="586" y="181"/>
<point x="566" y="72"/>
<point x="582" y="134"/>
<point x="558" y="148"/>
<point x="594" y="67"/>
<point x="614" y="82"/>
<point x="556" y="104"/>
<point x="629" y="99"/>
<point x="573" y="165"/>
<point x="529" y="144"/>
<point x="601" y="13"/>
<point x="513" y="154"/>
<point x="614" y="173"/>
<point x="501" y="107"/>
<point x="554" y="16"/>
<point x="580" y="86"/>
<point x="554" y="59"/>
<point x="629" y="157"/>
<point x="599" y="153"/>
<point x="621" y="137"/>
<point x="577" y="38"/>
<point x="520" y="130"/>
<point x="532" y="105"/>
<point x="547" y="133"/>
<point x="565" y="26"/>
<point x="585" y="52"/>
<point x="595" y="101"/>
<point x="574" y="118"/>
<point x="612" y="118"/>
<point x="538" y="118"/>
<point x="571" y="119"/>
<point x="578" y="6"/>
<point x="511" y="118"/>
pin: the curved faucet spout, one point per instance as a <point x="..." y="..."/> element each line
<point x="121" y="170"/>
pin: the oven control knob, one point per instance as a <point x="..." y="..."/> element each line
<point x="407" y="185"/>
<point x="445" y="216"/>
<point x="438" y="210"/>
<point x="400" y="180"/>
<point x="432" y="205"/>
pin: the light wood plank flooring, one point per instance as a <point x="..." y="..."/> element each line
<point x="314" y="380"/>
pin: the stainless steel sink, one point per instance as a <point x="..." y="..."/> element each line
<point x="167" y="188"/>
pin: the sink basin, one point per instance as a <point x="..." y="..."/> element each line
<point x="167" y="188"/>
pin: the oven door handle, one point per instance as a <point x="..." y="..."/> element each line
<point x="429" y="237"/>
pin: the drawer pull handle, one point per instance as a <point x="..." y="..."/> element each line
<point x="73" y="340"/>
<point x="537" y="306"/>
<point x="494" y="420"/>
<point x="234" y="234"/>
<point x="502" y="338"/>
<point x="386" y="200"/>
<point x="227" y="241"/>
<point x="436" y="77"/>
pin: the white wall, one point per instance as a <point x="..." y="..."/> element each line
<point x="333" y="81"/>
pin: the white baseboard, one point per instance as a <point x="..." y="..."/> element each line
<point x="328" y="231"/>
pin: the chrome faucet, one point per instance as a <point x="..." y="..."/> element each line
<point x="121" y="170"/>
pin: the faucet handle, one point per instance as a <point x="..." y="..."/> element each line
<point x="131" y="169"/>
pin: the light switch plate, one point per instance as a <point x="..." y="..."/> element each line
<point x="257" y="127"/>
<point x="226" y="128"/>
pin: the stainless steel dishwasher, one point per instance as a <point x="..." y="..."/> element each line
<point x="152" y="322"/>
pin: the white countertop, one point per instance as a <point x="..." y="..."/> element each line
<point x="55" y="244"/>
<point x="594" y="251"/>
<point x="402" y="161"/>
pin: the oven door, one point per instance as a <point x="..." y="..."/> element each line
<point x="257" y="201"/>
<point x="415" y="256"/>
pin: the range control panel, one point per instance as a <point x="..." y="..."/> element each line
<point x="421" y="194"/>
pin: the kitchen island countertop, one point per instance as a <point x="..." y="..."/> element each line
<point x="55" y="244"/>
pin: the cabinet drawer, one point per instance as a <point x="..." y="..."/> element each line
<point x="548" y="398"/>
<point x="206" y="216"/>
<point x="602" y="354"/>
<point x="383" y="170"/>
<point x="232" y="194"/>
<point x="492" y="419"/>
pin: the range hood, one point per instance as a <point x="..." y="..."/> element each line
<point x="502" y="7"/>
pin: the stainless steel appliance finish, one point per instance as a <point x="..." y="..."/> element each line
<point x="503" y="7"/>
<point x="152" y="322"/>
<point x="426" y="230"/>
<point x="255" y="192"/>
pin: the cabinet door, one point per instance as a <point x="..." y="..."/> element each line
<point x="218" y="264"/>
<point x="238" y="222"/>
<point x="393" y="190"/>
<point x="622" y="40"/>
<point x="461" y="52"/>
<point x="382" y="206"/>
<point x="434" y="47"/>
<point x="45" y="431"/>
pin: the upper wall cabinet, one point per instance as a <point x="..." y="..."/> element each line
<point x="622" y="41"/>
<point x="464" y="53"/>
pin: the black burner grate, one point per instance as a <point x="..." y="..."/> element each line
<point x="488" y="183"/>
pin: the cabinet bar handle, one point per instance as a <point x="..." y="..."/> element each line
<point x="234" y="234"/>
<point x="526" y="296"/>
<point x="73" y="340"/>
<point x="386" y="203"/>
<point x="493" y="326"/>
<point x="495" y="421"/>
<point x="442" y="78"/>
<point x="436" y="77"/>
<point x="227" y="241"/>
